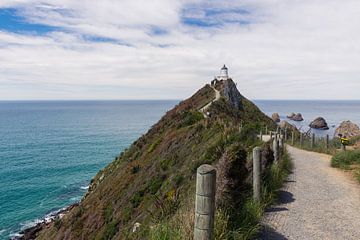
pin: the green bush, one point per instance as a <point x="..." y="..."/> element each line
<point x="165" y="231"/>
<point x="135" y="169"/>
<point x="155" y="184"/>
<point x="137" y="198"/>
<point x="166" y="163"/>
<point x="108" y="213"/>
<point x="345" y="159"/>
<point x="190" y="118"/>
<point x="154" y="145"/>
<point x="110" y="230"/>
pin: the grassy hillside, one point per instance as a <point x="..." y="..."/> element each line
<point x="153" y="181"/>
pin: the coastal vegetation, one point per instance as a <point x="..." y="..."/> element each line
<point x="348" y="160"/>
<point x="319" y="145"/>
<point x="147" y="192"/>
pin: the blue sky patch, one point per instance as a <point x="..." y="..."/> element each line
<point x="212" y="17"/>
<point x="11" y="21"/>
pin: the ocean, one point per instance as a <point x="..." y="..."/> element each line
<point x="50" y="150"/>
<point x="334" y="112"/>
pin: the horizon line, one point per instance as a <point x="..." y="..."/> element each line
<point x="73" y="100"/>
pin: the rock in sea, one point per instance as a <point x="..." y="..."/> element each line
<point x="295" y="117"/>
<point x="319" y="123"/>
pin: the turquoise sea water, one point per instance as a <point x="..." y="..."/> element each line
<point x="49" y="151"/>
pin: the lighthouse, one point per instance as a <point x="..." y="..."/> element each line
<point x="223" y="74"/>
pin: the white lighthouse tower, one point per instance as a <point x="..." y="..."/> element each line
<point x="223" y="74"/>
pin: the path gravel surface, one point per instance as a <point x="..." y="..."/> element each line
<point x="317" y="202"/>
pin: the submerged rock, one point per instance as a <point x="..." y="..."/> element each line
<point x="348" y="129"/>
<point x="319" y="123"/>
<point x="275" y="117"/>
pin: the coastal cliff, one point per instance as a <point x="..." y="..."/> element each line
<point x="153" y="181"/>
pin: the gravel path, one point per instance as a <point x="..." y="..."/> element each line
<point x="203" y="110"/>
<point x="317" y="202"/>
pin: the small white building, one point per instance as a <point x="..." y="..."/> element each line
<point x="223" y="74"/>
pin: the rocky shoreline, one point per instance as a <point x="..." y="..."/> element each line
<point x="31" y="232"/>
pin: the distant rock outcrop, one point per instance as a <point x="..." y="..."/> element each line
<point x="298" y="117"/>
<point x="348" y="129"/>
<point x="319" y="123"/>
<point x="275" y="117"/>
<point x="291" y="115"/>
<point x="295" y="117"/>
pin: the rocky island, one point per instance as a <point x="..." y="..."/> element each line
<point x="319" y="123"/>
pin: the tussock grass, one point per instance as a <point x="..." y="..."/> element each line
<point x="344" y="160"/>
<point x="241" y="223"/>
<point x="348" y="160"/>
<point x="319" y="145"/>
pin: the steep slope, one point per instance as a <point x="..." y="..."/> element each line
<point x="153" y="180"/>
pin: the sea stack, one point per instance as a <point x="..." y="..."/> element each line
<point x="319" y="123"/>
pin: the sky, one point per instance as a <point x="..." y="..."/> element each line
<point x="168" y="49"/>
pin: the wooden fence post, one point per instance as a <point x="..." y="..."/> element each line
<point x="301" y="139"/>
<point x="205" y="202"/>
<point x="276" y="149"/>
<point x="257" y="173"/>
<point x="285" y="134"/>
<point x="327" y="141"/>
<point x="271" y="135"/>
<point x="343" y="147"/>
<point x="312" y="140"/>
<point x="266" y="130"/>
<point x="292" y="138"/>
<point x="281" y="146"/>
<point x="261" y="135"/>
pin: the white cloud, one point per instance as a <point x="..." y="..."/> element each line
<point x="290" y="49"/>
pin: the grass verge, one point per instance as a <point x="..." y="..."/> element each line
<point x="240" y="223"/>
<point x="348" y="160"/>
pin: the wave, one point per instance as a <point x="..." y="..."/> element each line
<point x="29" y="224"/>
<point x="84" y="187"/>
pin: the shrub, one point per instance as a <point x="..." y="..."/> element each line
<point x="155" y="184"/>
<point x="178" y="179"/>
<point x="190" y="118"/>
<point x="137" y="198"/>
<point x="166" y="163"/>
<point x="108" y="213"/>
<point x="135" y="169"/>
<point x="126" y="214"/>
<point x="345" y="159"/>
<point x="110" y="230"/>
<point x="154" y="145"/>
<point x="165" y="231"/>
